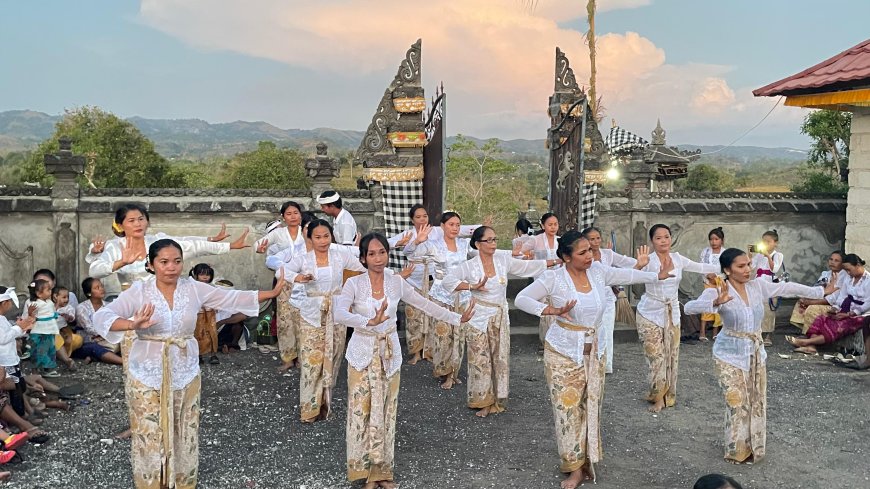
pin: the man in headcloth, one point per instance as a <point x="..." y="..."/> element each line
<point x="343" y="223"/>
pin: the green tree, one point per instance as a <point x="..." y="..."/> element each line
<point x="815" y="180"/>
<point x="481" y="185"/>
<point x="708" y="178"/>
<point x="828" y="157"/>
<point x="118" y="154"/>
<point x="266" y="167"/>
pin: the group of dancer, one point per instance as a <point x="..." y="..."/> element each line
<point x="455" y="291"/>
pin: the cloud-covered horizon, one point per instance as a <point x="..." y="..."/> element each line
<point x="496" y="59"/>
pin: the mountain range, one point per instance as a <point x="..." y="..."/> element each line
<point x="195" y="139"/>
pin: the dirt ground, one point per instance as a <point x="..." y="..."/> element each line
<point x="819" y="434"/>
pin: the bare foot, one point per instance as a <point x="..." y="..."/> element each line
<point x="370" y="485"/>
<point x="88" y="360"/>
<point x="447" y="384"/>
<point x="657" y="406"/>
<point x="225" y="349"/>
<point x="388" y="484"/>
<point x="285" y="367"/>
<point x="573" y="480"/>
<point x="414" y="359"/>
<point x="483" y="412"/>
<point x="5" y="476"/>
<point x="124" y="435"/>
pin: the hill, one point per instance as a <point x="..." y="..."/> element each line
<point x="197" y="139"/>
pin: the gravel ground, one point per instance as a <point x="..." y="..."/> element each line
<point x="251" y="436"/>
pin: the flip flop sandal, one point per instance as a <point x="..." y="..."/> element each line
<point x="214" y="360"/>
<point x="851" y="365"/>
<point x="10" y="457"/>
<point x="805" y="351"/>
<point x="73" y="391"/>
<point x="15" y="441"/>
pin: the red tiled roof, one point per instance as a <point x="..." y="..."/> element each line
<point x="851" y="65"/>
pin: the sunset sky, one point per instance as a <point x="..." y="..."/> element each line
<point x="325" y="63"/>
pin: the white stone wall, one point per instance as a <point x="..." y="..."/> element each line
<point x="858" y="210"/>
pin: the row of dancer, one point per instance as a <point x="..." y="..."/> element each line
<point x="367" y="304"/>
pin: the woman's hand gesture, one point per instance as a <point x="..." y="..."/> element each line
<point x="380" y="314"/>
<point x="99" y="245"/>
<point x="831" y="286"/>
<point x="723" y="296"/>
<point x="239" y="243"/>
<point x="408" y="270"/>
<point x="479" y="286"/>
<point x="129" y="254"/>
<point x="423" y="234"/>
<point x="303" y="278"/>
<point x="564" y="311"/>
<point x="406" y="237"/>
<point x="667" y="267"/>
<point x="280" y="283"/>
<point x="261" y="248"/>
<point x="642" y="256"/>
<point x="468" y="313"/>
<point x="221" y="235"/>
<point x="142" y="318"/>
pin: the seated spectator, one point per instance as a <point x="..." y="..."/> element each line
<point x="94" y="346"/>
<point x="852" y="304"/>
<point x="67" y="341"/>
<point x="716" y="481"/>
<point x="230" y="326"/>
<point x="807" y="310"/>
<point x="206" y="324"/>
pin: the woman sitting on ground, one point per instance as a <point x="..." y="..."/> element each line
<point x="807" y="310"/>
<point x="93" y="345"/>
<point x="851" y="305"/>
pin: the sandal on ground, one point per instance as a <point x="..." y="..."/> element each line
<point x="703" y="339"/>
<point x="768" y="342"/>
<point x="50" y="374"/>
<point x="214" y="360"/>
<point x="10" y="457"/>
<point x="853" y="365"/>
<point x="38" y="436"/>
<point x="15" y="441"/>
<point x="263" y="349"/>
<point x="791" y="339"/>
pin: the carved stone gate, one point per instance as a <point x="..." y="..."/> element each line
<point x="577" y="154"/>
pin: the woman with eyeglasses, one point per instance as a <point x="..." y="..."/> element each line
<point x="488" y="333"/>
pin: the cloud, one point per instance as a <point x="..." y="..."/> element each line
<point x="495" y="57"/>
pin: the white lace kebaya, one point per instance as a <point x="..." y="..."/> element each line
<point x="559" y="288"/>
<point x="179" y="322"/>
<point x="327" y="279"/>
<point x="191" y="247"/>
<point x="653" y="304"/>
<point x="355" y="307"/>
<point x="740" y="317"/>
<point x="495" y="290"/>
<point x="435" y="249"/>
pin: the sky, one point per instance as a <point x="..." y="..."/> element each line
<point x="325" y="63"/>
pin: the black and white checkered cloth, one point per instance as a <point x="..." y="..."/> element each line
<point x="587" y="205"/>
<point x="398" y="199"/>
<point x="620" y="141"/>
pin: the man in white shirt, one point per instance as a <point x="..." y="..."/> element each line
<point x="343" y="223"/>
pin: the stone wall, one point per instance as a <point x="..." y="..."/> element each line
<point x="42" y="231"/>
<point x="858" y="214"/>
<point x="810" y="226"/>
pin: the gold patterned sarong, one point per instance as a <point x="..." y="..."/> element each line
<point x="418" y="324"/>
<point x="166" y="403"/>
<point x="373" y="400"/>
<point x="288" y="325"/>
<point x="321" y="353"/>
<point x="661" y="346"/>
<point x="489" y="360"/>
<point x="448" y="345"/>
<point x="745" y="403"/>
<point x="575" y="393"/>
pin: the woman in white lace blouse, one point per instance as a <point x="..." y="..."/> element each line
<point x="658" y="318"/>
<point x="164" y="380"/>
<point x="488" y="334"/>
<point x="739" y="351"/>
<point x="368" y="304"/>
<point x="321" y="340"/>
<point x="576" y="296"/>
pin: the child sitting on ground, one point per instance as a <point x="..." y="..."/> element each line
<point x="66" y="342"/>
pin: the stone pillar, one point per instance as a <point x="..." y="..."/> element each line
<point x="858" y="204"/>
<point x="64" y="201"/>
<point x="321" y="170"/>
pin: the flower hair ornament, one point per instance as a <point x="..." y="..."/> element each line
<point x="117" y="228"/>
<point x="32" y="284"/>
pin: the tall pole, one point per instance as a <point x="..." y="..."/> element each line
<point x="590" y="37"/>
